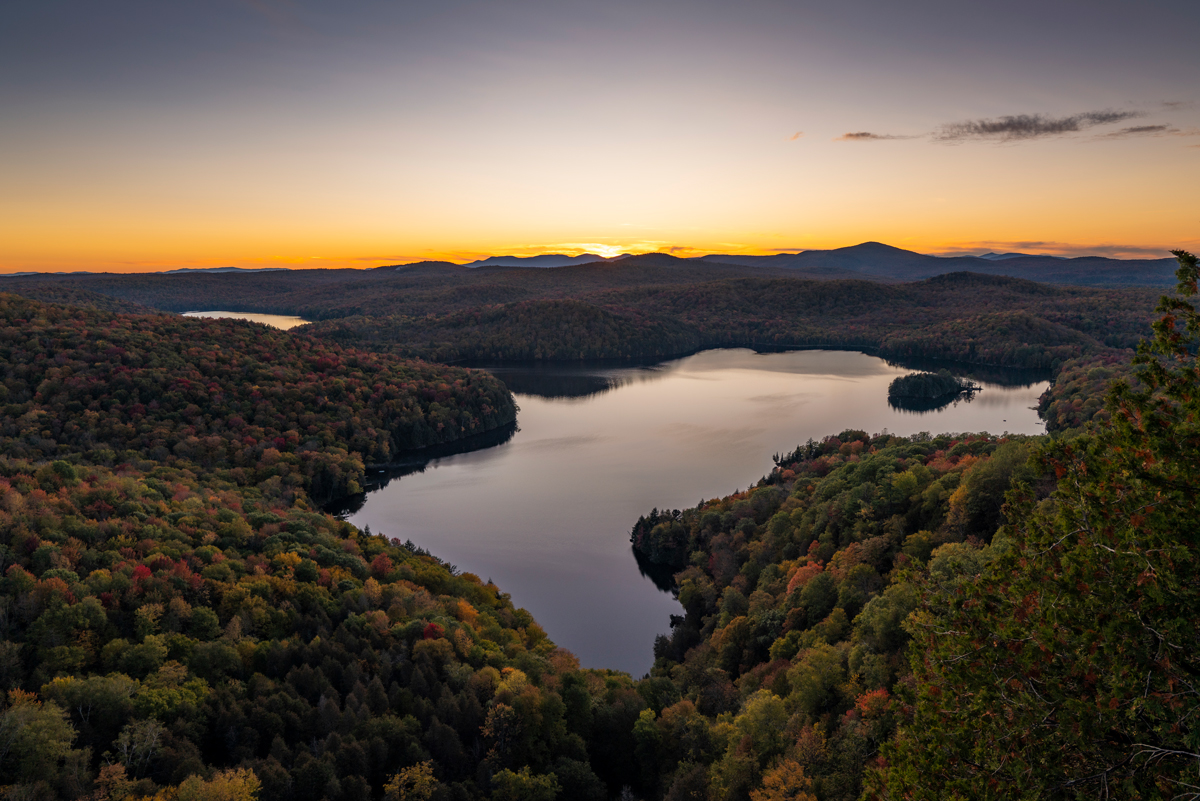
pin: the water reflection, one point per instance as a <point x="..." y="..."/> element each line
<point x="924" y="405"/>
<point x="661" y="575"/>
<point x="281" y="321"/>
<point x="583" y="380"/>
<point x="379" y="476"/>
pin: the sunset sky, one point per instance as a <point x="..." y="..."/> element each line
<point x="151" y="135"/>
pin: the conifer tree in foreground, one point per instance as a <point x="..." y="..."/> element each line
<point x="1071" y="668"/>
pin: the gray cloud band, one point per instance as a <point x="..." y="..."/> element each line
<point x="1029" y="126"/>
<point x="1022" y="127"/>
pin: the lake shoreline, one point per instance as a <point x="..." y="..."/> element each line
<point x="1003" y="374"/>
<point x="915" y="363"/>
<point x="547" y="514"/>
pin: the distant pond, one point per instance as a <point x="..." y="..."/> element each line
<point x="282" y="321"/>
<point x="545" y="509"/>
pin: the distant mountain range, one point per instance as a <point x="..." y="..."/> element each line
<point x="178" y="271"/>
<point x="878" y="262"/>
<point x="545" y="260"/>
<point x="224" y="270"/>
<point x="872" y="261"/>
<point x="1003" y="256"/>
<point x="60" y="272"/>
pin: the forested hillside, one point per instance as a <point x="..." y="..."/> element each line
<point x="786" y="663"/>
<point x="657" y="305"/>
<point x="562" y="330"/>
<point x="970" y="319"/>
<point x="1077" y="395"/>
<point x="239" y="400"/>
<point x="70" y="294"/>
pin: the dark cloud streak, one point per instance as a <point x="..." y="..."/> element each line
<point x="1023" y="127"/>
<point x="867" y="136"/>
<point x="1026" y="127"/>
<point x="1140" y="130"/>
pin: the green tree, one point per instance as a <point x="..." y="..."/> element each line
<point x="524" y="786"/>
<point x="99" y="705"/>
<point x="35" y="739"/>
<point x="762" y="725"/>
<point x="816" y="679"/>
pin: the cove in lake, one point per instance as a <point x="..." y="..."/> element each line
<point x="545" y="510"/>
<point x="281" y="321"/>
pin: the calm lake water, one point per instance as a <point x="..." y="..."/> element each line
<point x="546" y="511"/>
<point x="274" y="320"/>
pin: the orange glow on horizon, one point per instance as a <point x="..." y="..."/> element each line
<point x="394" y="134"/>
<point x="1060" y="198"/>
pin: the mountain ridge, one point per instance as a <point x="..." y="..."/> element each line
<point x="877" y="260"/>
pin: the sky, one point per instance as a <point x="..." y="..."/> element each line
<point x="140" y="135"/>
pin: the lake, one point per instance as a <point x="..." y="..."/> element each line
<point x="546" y="511"/>
<point x="282" y="321"/>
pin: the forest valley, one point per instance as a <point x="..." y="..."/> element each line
<point x="881" y="617"/>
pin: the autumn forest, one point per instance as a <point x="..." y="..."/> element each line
<point x="880" y="617"/>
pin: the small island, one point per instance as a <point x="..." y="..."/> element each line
<point x="926" y="391"/>
<point x="930" y="385"/>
